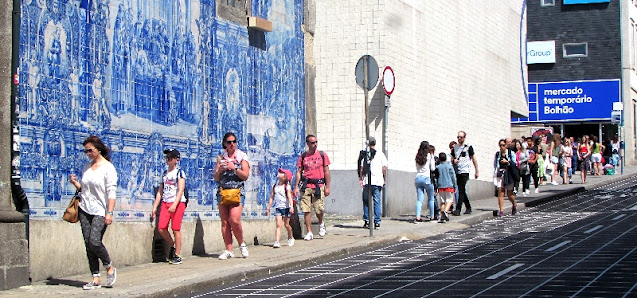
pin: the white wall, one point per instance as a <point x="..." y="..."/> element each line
<point x="457" y="67"/>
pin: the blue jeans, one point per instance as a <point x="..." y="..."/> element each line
<point x="615" y="160"/>
<point x="376" y="197"/>
<point x="424" y="184"/>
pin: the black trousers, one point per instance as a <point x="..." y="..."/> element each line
<point x="534" y="174"/>
<point x="462" y="192"/>
<point x="526" y="182"/>
<point x="93" y="229"/>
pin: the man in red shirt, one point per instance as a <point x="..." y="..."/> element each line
<point x="314" y="173"/>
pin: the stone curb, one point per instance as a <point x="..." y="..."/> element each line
<point x="261" y="272"/>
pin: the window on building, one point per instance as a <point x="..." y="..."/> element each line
<point x="548" y="2"/>
<point x="575" y="49"/>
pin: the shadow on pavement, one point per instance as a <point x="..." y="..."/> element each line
<point x="67" y="282"/>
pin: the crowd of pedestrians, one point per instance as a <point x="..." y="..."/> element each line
<point x="433" y="178"/>
<point x="444" y="176"/>
<point x="543" y="159"/>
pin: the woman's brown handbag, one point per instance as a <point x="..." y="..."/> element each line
<point x="230" y="196"/>
<point x="71" y="214"/>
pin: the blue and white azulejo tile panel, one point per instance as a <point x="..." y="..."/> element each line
<point x="146" y="75"/>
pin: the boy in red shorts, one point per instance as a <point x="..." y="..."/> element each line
<point x="173" y="204"/>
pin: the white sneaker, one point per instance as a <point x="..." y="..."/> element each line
<point x="555" y="183"/>
<point x="276" y="244"/>
<point x="111" y="278"/>
<point x="91" y="286"/>
<point x="309" y="236"/>
<point x="226" y="255"/>
<point x="244" y="250"/>
<point x="537" y="190"/>
<point x="527" y="192"/>
<point x="291" y="242"/>
<point x="322" y="230"/>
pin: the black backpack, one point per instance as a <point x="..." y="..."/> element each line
<point x="362" y="157"/>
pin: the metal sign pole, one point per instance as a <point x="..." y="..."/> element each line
<point x="366" y="78"/>
<point x="370" y="200"/>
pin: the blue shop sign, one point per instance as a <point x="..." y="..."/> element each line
<point x="584" y="1"/>
<point x="572" y="101"/>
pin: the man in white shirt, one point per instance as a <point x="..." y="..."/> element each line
<point x="378" y="168"/>
<point x="463" y="157"/>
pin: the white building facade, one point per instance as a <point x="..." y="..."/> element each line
<point x="457" y="65"/>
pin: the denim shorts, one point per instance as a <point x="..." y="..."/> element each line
<point x="285" y="212"/>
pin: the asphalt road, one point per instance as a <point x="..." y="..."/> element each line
<point x="583" y="245"/>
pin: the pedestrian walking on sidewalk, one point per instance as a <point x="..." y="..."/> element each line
<point x="425" y="164"/>
<point x="171" y="195"/>
<point x="522" y="156"/>
<point x="543" y="161"/>
<point x="98" y="189"/>
<point x="566" y="154"/>
<point x="583" y="157"/>
<point x="554" y="151"/>
<point x="434" y="180"/>
<point x="574" y="160"/>
<point x="533" y="149"/>
<point x="452" y="144"/>
<point x="463" y="157"/>
<point x="512" y="146"/>
<point x="596" y="155"/>
<point x="231" y="172"/>
<point x="607" y="155"/>
<point x="374" y="163"/>
<point x="447" y="185"/>
<point x="282" y="200"/>
<point x="314" y="174"/>
<point x="504" y="175"/>
<point x="615" y="145"/>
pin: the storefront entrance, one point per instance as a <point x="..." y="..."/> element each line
<point x="578" y="130"/>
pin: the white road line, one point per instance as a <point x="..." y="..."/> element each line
<point x="593" y="229"/>
<point x="619" y="216"/>
<point x="629" y="291"/>
<point x="505" y="271"/>
<point x="558" y="246"/>
<point x="633" y="207"/>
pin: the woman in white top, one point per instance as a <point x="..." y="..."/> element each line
<point x="425" y="163"/>
<point x="97" y="187"/>
<point x="566" y="152"/>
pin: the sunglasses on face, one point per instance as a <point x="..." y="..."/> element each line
<point x="502" y="145"/>
<point x="89" y="150"/>
<point x="231" y="141"/>
<point x="312" y="143"/>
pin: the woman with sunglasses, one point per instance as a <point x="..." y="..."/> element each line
<point x="504" y="180"/>
<point x="231" y="171"/>
<point x="97" y="187"/>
